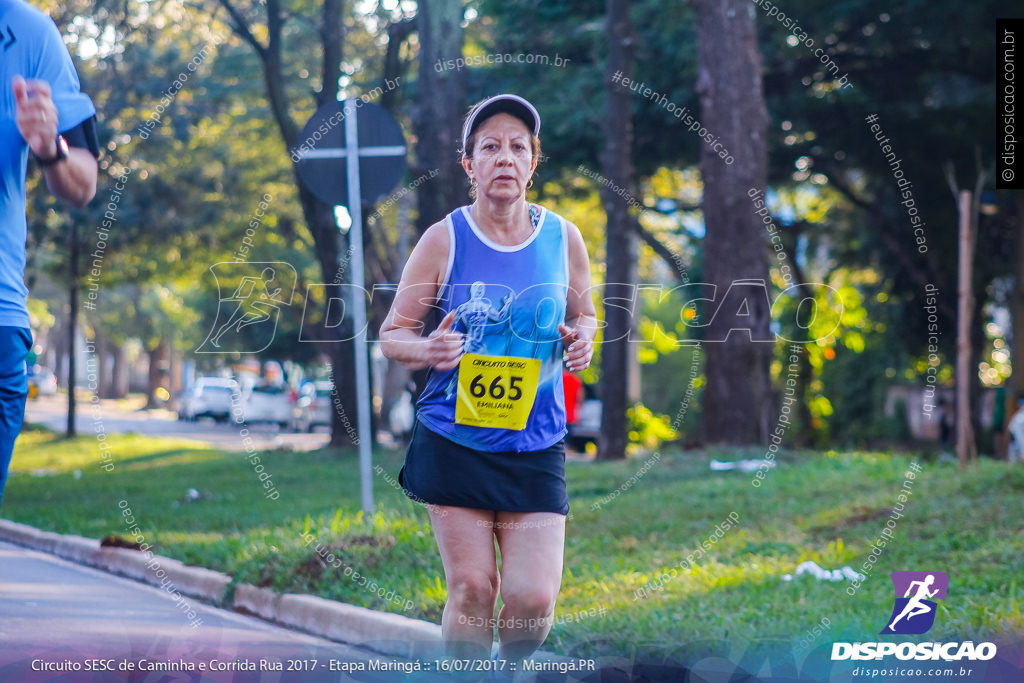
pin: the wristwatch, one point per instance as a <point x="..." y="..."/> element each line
<point x="62" y="153"/>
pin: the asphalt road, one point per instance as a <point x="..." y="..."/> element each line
<point x="56" y="615"/>
<point x="116" y="418"/>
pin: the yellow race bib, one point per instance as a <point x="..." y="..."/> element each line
<point x="496" y="391"/>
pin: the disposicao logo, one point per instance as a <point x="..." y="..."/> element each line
<point x="913" y="614"/>
<point x="914" y="611"/>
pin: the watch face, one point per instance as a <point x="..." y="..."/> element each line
<point x="62" y="153"/>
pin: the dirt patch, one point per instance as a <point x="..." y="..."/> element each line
<point x="861" y="514"/>
<point x="114" y="541"/>
<point x="312" y="567"/>
<point x="375" y="542"/>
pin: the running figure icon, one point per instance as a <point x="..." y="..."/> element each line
<point x="474" y="315"/>
<point x="915" y="606"/>
<point x="254" y="306"/>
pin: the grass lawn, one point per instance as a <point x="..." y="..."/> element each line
<point x="825" y="507"/>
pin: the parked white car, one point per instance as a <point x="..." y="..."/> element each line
<point x="402" y="416"/>
<point x="212" y="397"/>
<point x="44" y="381"/>
<point x="267" y="403"/>
<point x="588" y="427"/>
<point x="313" y="406"/>
<point x="1015" y="453"/>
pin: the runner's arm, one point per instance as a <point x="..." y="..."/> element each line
<point x="580" y="326"/>
<point x="74" y="178"/>
<point x="401" y="334"/>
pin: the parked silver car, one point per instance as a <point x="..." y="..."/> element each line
<point x="213" y="397"/>
<point x="313" y="406"/>
<point x="267" y="403"/>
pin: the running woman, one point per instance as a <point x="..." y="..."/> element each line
<point x="489" y="457"/>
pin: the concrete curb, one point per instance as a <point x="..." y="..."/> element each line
<point x="390" y="634"/>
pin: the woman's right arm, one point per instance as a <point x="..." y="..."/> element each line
<point x="401" y="333"/>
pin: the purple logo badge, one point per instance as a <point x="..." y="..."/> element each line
<point x="914" y="611"/>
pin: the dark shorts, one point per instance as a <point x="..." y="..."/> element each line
<point x="441" y="472"/>
<point x="15" y="343"/>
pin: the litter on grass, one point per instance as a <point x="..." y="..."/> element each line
<point x="815" y="570"/>
<point x="741" y="465"/>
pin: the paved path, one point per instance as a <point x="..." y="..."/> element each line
<point x="53" y="612"/>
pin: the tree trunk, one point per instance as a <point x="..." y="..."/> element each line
<point x="621" y="241"/>
<point x="965" y="309"/>
<point x="976" y="396"/>
<point x="100" y="366"/>
<point x="173" y="368"/>
<point x="394" y="66"/>
<point x="437" y="119"/>
<point x="319" y="217"/>
<point x="1015" y="385"/>
<point x="72" y="323"/>
<point x="58" y="337"/>
<point x="157" y="361"/>
<point x="344" y="417"/>
<point x="805" y="427"/>
<point x="119" y="385"/>
<point x="439" y="111"/>
<point x="737" y="400"/>
<point x="396" y="380"/>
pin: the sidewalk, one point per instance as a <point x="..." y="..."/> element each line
<point x="389" y="634"/>
<point x="63" y="612"/>
<point x="56" y="616"/>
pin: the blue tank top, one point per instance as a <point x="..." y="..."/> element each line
<point x="509" y="301"/>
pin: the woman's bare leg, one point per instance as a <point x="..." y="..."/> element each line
<point x="532" y="545"/>
<point x="465" y="538"/>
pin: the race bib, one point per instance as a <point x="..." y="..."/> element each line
<point x="496" y="391"/>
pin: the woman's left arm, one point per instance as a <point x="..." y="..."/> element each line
<point x="580" y="324"/>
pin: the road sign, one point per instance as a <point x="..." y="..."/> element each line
<point x="354" y="149"/>
<point x="322" y="157"/>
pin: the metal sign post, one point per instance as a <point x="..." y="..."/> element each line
<point x="383" y="148"/>
<point x="355" y="235"/>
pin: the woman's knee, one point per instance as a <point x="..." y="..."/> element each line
<point x="473" y="589"/>
<point x="529" y="600"/>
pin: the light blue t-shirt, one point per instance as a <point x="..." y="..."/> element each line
<point x="30" y="47"/>
<point x="509" y="302"/>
